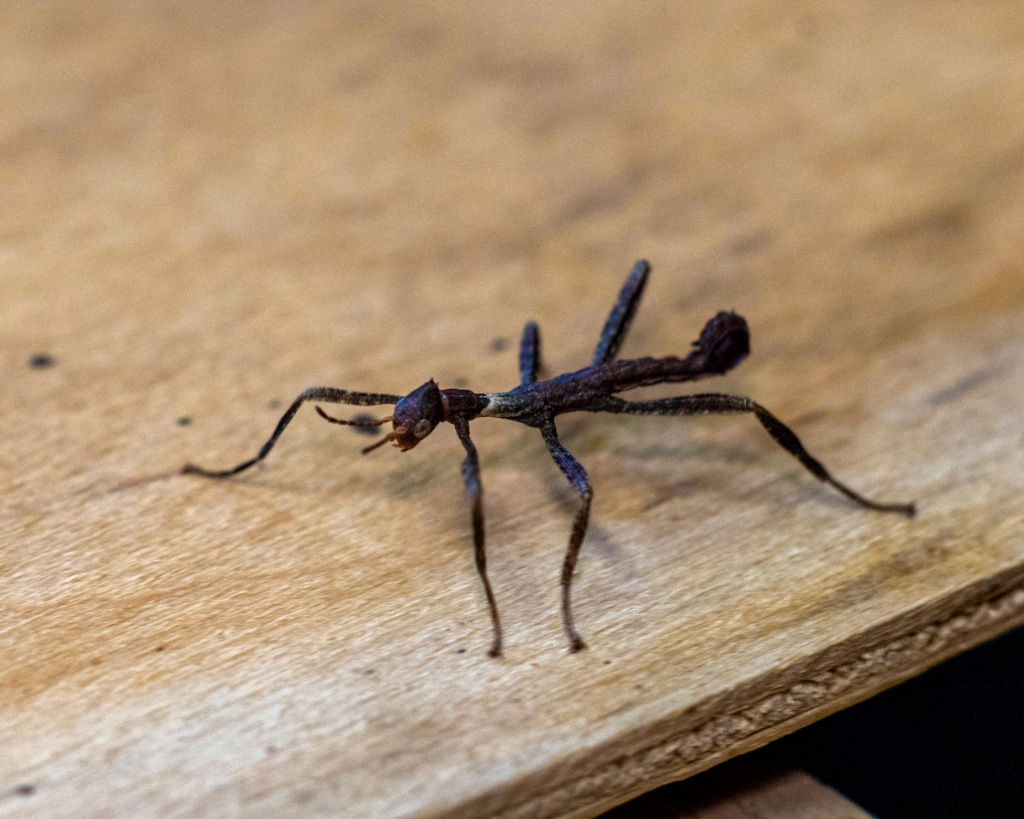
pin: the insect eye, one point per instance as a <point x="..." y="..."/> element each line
<point x="423" y="426"/>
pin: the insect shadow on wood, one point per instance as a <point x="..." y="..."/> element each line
<point x="723" y="344"/>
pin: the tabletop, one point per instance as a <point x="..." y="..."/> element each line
<point x="207" y="208"/>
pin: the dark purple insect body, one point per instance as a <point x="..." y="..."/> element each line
<point x="723" y="344"/>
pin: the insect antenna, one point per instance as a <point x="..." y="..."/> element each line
<point x="355" y="422"/>
<point x="391" y="436"/>
<point x="365" y="422"/>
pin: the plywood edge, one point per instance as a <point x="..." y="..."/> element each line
<point x="748" y="717"/>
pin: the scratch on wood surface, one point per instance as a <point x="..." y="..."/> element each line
<point x="948" y="220"/>
<point x="960" y="388"/>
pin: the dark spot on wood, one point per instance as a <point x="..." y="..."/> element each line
<point x="184" y="421"/>
<point x="301" y="797"/>
<point x="947" y="220"/>
<point x="368" y="673"/>
<point x="95" y="661"/>
<point x="461" y="382"/>
<point x="23" y="790"/>
<point x="41" y="361"/>
<point x="365" y="417"/>
<point x="460" y="651"/>
<point x="607" y="662"/>
<point x="810" y="417"/>
<point x="750" y="242"/>
<point x="274" y="403"/>
<point x="960" y="388"/>
<point x="601" y="199"/>
<point x="158" y="648"/>
<point x="499" y="344"/>
<point x="350" y="80"/>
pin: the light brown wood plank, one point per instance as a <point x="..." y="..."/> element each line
<point x="205" y="208"/>
<point x="743" y="792"/>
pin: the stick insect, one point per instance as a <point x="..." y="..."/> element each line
<point x="723" y="344"/>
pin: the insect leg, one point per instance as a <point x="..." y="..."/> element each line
<point x="471" y="477"/>
<point x="529" y="353"/>
<point x="718" y="404"/>
<point x="577" y="476"/>
<point x="328" y="395"/>
<point x="621" y="317"/>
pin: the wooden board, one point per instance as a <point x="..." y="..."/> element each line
<point x="205" y="208"/>
<point x="731" y="792"/>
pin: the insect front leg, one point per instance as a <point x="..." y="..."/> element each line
<point x="577" y="476"/>
<point x="719" y="404"/>
<point x="471" y="477"/>
<point x="328" y="395"/>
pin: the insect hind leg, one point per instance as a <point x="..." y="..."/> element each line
<point x="719" y="404"/>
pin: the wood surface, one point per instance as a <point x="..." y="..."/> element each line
<point x="207" y="207"/>
<point x="742" y="792"/>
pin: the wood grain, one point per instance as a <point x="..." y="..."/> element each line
<point x="205" y="208"/>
